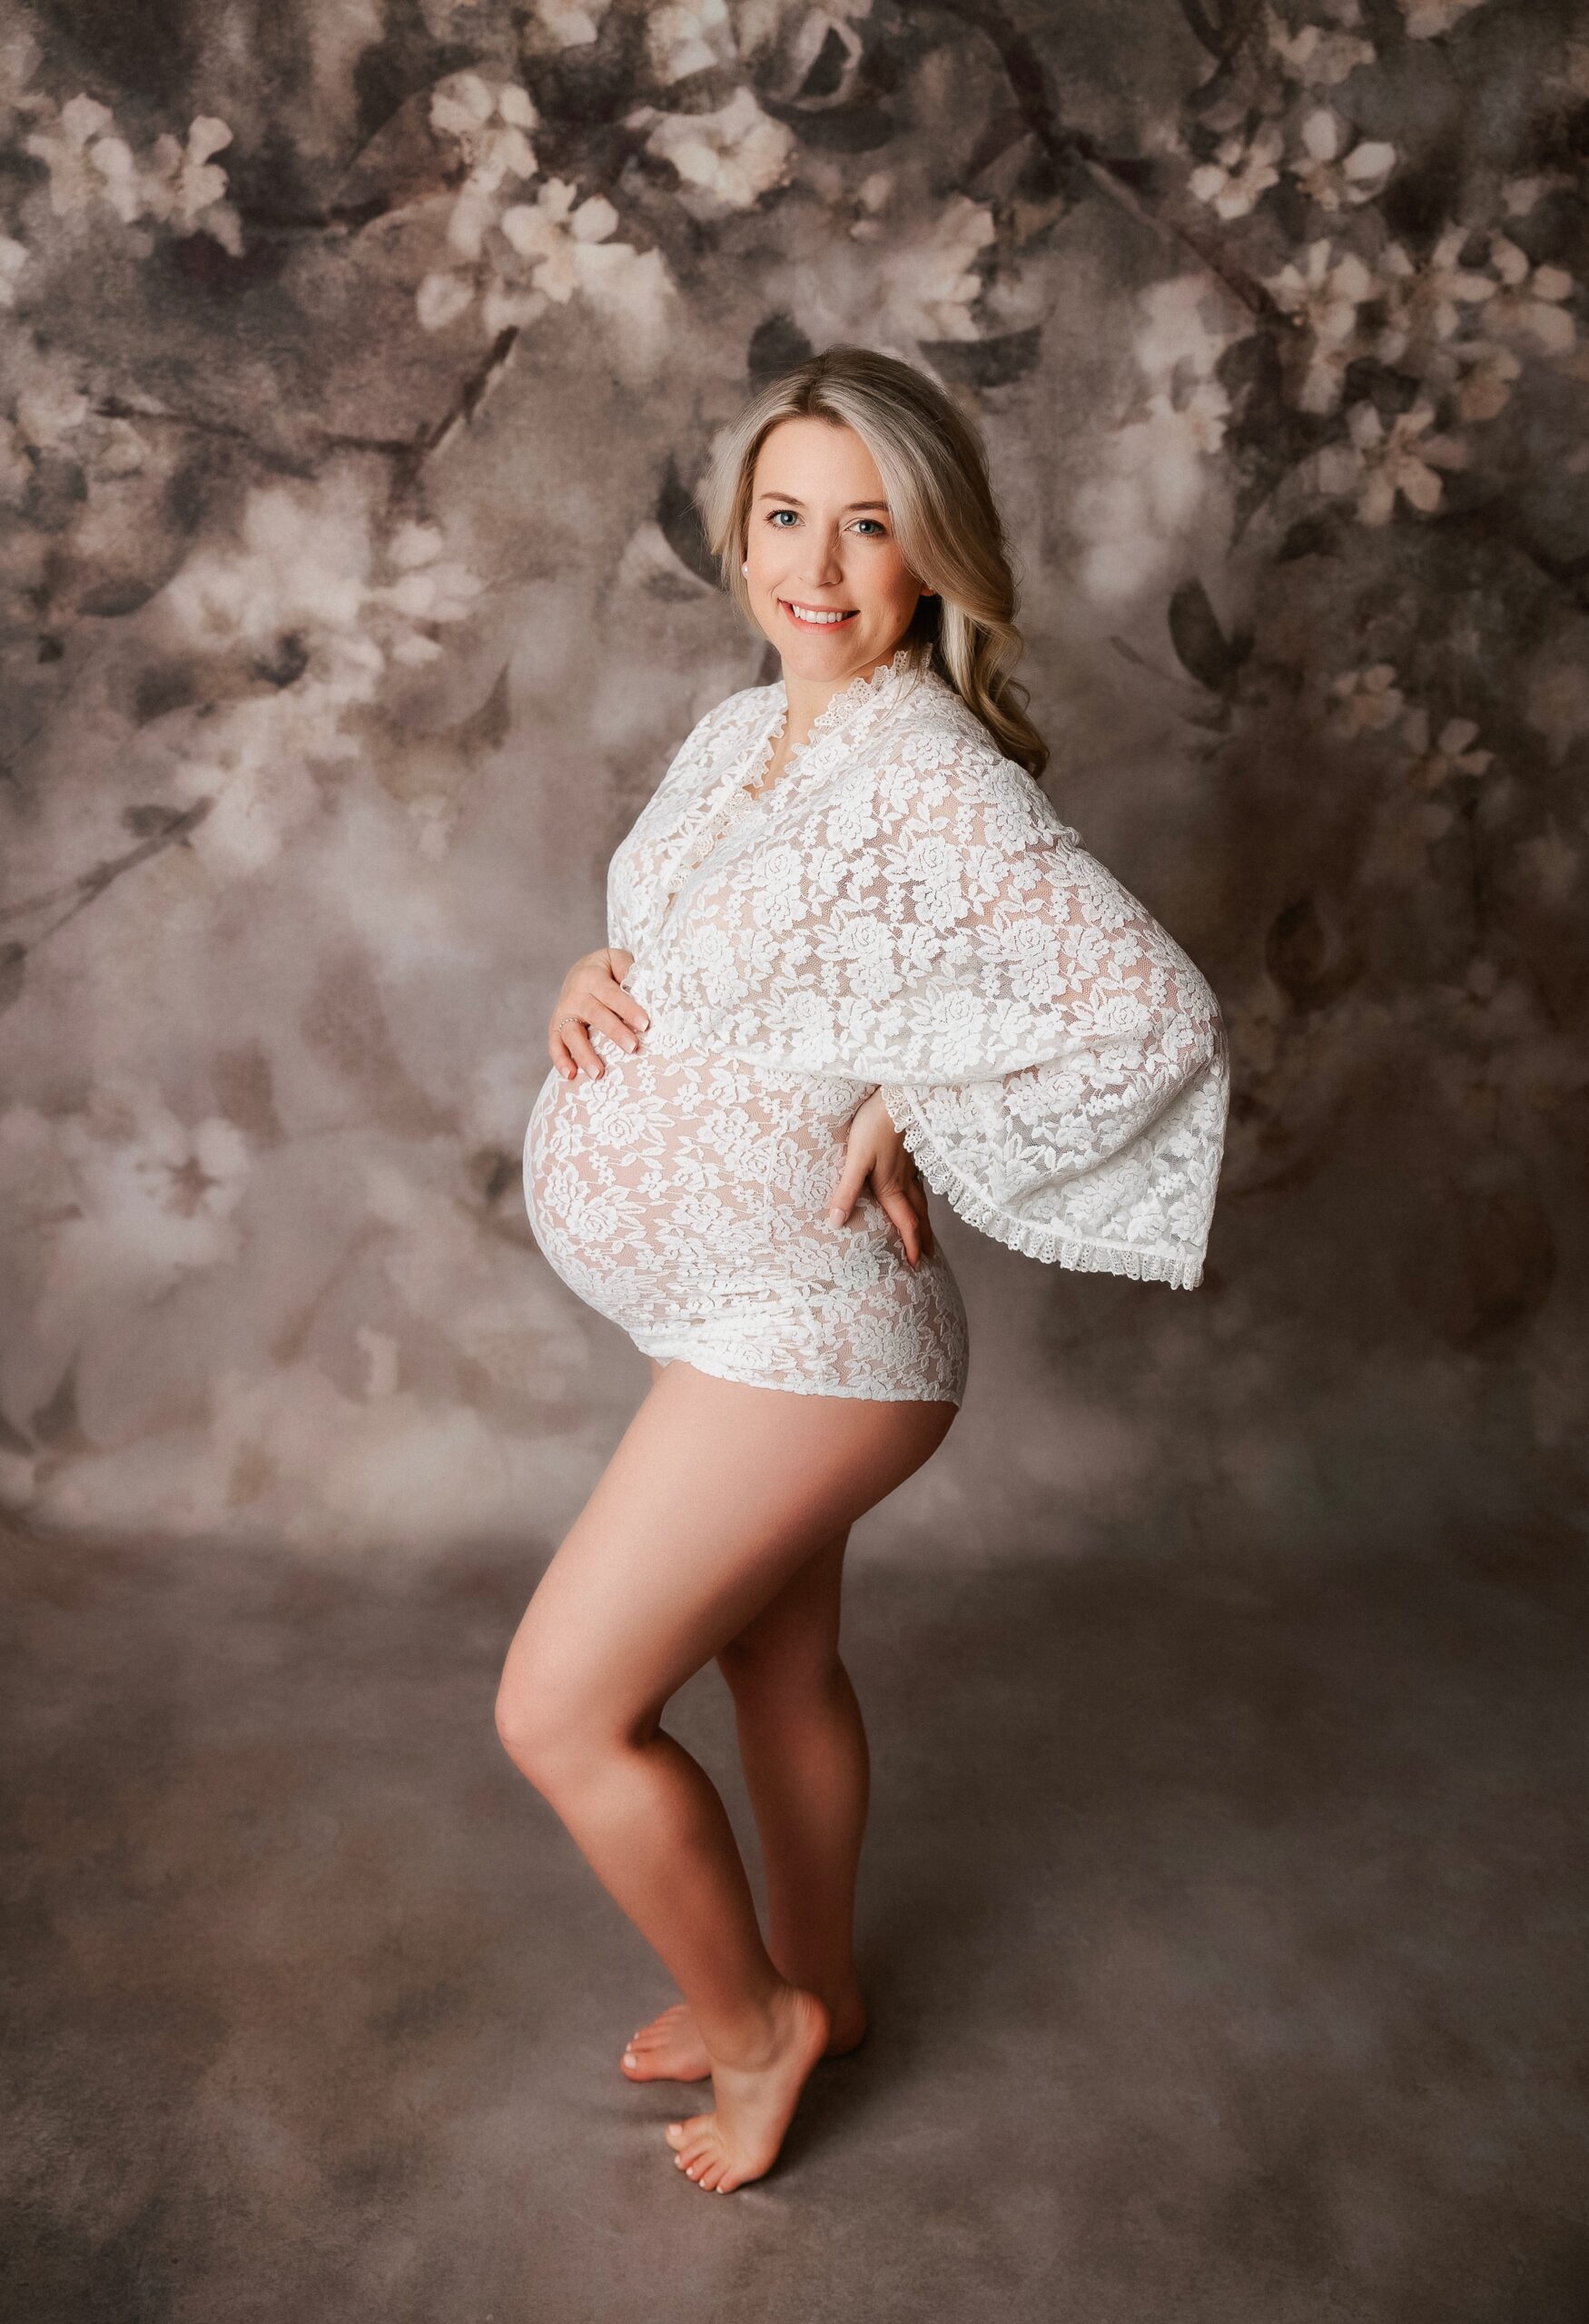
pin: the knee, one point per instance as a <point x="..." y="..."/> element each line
<point x="548" y="1736"/>
<point x="554" y="1737"/>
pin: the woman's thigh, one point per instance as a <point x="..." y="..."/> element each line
<point x="716" y="1495"/>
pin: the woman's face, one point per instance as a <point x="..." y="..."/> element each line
<point x="821" y="541"/>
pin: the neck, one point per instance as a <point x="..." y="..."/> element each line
<point x="808" y="698"/>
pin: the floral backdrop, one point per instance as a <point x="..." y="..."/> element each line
<point x="358" y="364"/>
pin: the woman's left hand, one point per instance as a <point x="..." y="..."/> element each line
<point x="876" y="1150"/>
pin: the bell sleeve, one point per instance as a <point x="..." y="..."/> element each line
<point x="925" y="925"/>
<point x="1060" y="1068"/>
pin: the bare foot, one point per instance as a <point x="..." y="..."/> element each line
<point x="741" y="2138"/>
<point x="670" y="2049"/>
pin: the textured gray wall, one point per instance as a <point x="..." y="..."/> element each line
<point x="361" y="360"/>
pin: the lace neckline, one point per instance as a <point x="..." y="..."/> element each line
<point x="840" y="705"/>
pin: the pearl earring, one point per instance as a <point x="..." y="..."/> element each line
<point x="745" y="566"/>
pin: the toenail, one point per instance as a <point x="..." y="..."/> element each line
<point x="628" y="2057"/>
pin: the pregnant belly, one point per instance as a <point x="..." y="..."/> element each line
<point x="670" y="1182"/>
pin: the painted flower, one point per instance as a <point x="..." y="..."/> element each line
<point x="1325" y="297"/>
<point x="86" y="165"/>
<point x="186" y="190"/>
<point x="1424" y="299"/>
<point x="553" y="234"/>
<point x="726" y="159"/>
<point x="1378" y="463"/>
<point x="566" y="24"/>
<point x="488" y="125"/>
<point x="1483" y="388"/>
<point x="688" y="36"/>
<point x="1451" y="752"/>
<point x="1368" y="701"/>
<point x="1530" y="302"/>
<point x="1333" y="179"/>
<point x="1317" y="58"/>
<point x="932" y="280"/>
<point x="1239" y="175"/>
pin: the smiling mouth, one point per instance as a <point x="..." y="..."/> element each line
<point x="818" y="616"/>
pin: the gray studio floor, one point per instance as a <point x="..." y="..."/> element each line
<point x="1222" y="1922"/>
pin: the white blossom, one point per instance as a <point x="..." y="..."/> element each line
<point x="153" y="1195"/>
<point x="186" y="189"/>
<point x="688" y="36"/>
<point x="1333" y="179"/>
<point x="1316" y="57"/>
<point x="1239" y="175"/>
<point x="1377" y="463"/>
<point x="932" y="282"/>
<point x="554" y="24"/>
<point x="1433" y="764"/>
<point x="552" y="235"/>
<point x="1529" y="303"/>
<point x="181" y="187"/>
<point x="1424" y="299"/>
<point x="1324" y="297"/>
<point x="726" y="159"/>
<point x="1368" y="700"/>
<point x="489" y="126"/>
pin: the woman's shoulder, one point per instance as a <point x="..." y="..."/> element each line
<point x="942" y="756"/>
<point x="737" y="709"/>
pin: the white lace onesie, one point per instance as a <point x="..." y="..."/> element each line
<point x="902" y="910"/>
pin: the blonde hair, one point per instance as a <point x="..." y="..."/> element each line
<point x="934" y="473"/>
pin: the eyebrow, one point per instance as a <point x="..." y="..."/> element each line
<point x="847" y="510"/>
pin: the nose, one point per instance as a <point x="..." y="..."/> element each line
<point x="822" y="567"/>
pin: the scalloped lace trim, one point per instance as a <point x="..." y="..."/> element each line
<point x="1155" y="1264"/>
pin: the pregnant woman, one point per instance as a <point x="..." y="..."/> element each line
<point x="852" y="946"/>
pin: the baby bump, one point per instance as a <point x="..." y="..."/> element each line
<point x="668" y="1180"/>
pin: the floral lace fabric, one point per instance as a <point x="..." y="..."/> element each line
<point x="902" y="910"/>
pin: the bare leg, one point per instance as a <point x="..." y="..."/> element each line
<point x="803" y="1748"/>
<point x="715" y="1495"/>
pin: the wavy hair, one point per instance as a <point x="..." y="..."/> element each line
<point x="934" y="472"/>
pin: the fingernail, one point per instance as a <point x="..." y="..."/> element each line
<point x="835" y="1216"/>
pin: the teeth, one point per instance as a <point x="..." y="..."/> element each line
<point x="819" y="618"/>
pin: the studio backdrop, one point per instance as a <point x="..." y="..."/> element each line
<point x="361" y="361"/>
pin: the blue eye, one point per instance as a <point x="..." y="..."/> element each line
<point x="774" y="515"/>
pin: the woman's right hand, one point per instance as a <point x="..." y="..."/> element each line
<point x="593" y="994"/>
